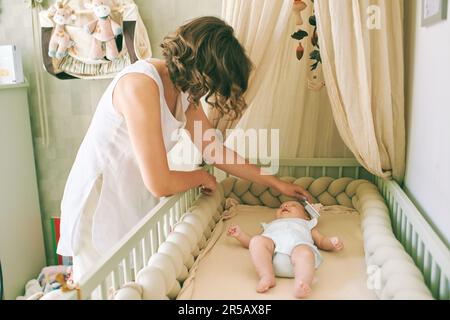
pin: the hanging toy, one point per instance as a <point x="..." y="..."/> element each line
<point x="315" y="37"/>
<point x="298" y="7"/>
<point x="104" y="30"/>
<point x="300" y="51"/>
<point x="60" y="41"/>
<point x="299" y="35"/>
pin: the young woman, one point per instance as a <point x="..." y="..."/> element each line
<point x="121" y="168"/>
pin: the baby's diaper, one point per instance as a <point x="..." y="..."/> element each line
<point x="282" y="264"/>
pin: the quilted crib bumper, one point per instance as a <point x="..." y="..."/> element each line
<point x="391" y="271"/>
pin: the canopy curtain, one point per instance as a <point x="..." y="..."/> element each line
<point x="278" y="94"/>
<point x="362" y="52"/>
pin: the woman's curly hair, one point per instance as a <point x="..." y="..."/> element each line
<point x="204" y="58"/>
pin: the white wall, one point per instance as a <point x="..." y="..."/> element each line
<point x="428" y="118"/>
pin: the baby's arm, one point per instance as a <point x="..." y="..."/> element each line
<point x="241" y="236"/>
<point x="326" y="243"/>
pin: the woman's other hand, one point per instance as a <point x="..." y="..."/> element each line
<point x="293" y="190"/>
<point x="209" y="184"/>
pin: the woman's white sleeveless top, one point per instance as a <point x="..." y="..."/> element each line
<point x="106" y="153"/>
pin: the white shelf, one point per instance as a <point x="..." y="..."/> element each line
<point x="22" y="252"/>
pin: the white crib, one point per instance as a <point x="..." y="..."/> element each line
<point x="123" y="263"/>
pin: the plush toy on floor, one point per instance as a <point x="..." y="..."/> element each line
<point x="60" y="42"/>
<point x="104" y="30"/>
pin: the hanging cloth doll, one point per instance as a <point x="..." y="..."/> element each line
<point x="60" y="41"/>
<point x="104" y="30"/>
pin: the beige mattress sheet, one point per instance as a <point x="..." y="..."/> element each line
<point x="225" y="272"/>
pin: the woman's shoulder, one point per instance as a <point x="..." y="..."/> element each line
<point x="134" y="89"/>
<point x="132" y="83"/>
<point x="141" y="70"/>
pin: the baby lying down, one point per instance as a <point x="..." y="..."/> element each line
<point x="287" y="248"/>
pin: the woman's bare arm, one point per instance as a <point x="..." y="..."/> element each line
<point x="136" y="97"/>
<point x="239" y="167"/>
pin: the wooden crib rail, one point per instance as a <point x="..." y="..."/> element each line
<point x="131" y="254"/>
<point x="429" y="252"/>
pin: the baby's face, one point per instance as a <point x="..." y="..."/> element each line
<point x="292" y="209"/>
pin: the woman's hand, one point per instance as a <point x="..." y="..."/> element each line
<point x="209" y="183"/>
<point x="293" y="190"/>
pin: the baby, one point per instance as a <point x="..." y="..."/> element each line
<point x="287" y="248"/>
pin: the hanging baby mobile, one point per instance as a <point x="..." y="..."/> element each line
<point x="298" y="7"/>
<point x="92" y="39"/>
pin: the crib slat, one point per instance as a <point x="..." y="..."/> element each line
<point x="173" y="218"/>
<point x="153" y="240"/>
<point x="427" y="268"/>
<point x="403" y="230"/>
<point x="341" y="169"/>
<point x="187" y="200"/>
<point x="291" y="171"/>
<point x="181" y="207"/>
<point x="147" y="249"/>
<point x="178" y="211"/>
<point x="324" y="171"/>
<point x="414" y="246"/>
<point x="409" y="235"/>
<point x="103" y="291"/>
<point x="136" y="262"/>
<point x="444" y="288"/>
<point x="116" y="278"/>
<point x="399" y="224"/>
<point x="166" y="225"/>
<point x="307" y="171"/>
<point x="435" y="279"/>
<point x="420" y="255"/>
<point x="159" y="229"/>
<point x="393" y="215"/>
<point x="183" y="204"/>
<point x="357" y="173"/>
<point x="127" y="269"/>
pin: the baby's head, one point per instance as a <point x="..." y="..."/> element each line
<point x="292" y="209"/>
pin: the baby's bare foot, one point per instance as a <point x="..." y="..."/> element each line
<point x="265" y="284"/>
<point x="302" y="290"/>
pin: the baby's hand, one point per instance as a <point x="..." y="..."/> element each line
<point x="234" y="231"/>
<point x="337" y="243"/>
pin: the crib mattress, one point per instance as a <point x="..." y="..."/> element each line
<point x="225" y="271"/>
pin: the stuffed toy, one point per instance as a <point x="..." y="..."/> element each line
<point x="104" y="30"/>
<point x="298" y="7"/>
<point x="60" y="41"/>
<point x="48" y="274"/>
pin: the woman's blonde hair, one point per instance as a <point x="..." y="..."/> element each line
<point x="204" y="58"/>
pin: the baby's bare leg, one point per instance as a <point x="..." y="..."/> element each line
<point x="303" y="261"/>
<point x="261" y="251"/>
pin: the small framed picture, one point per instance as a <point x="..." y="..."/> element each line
<point x="433" y="11"/>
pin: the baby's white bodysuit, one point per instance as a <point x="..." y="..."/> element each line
<point x="288" y="234"/>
